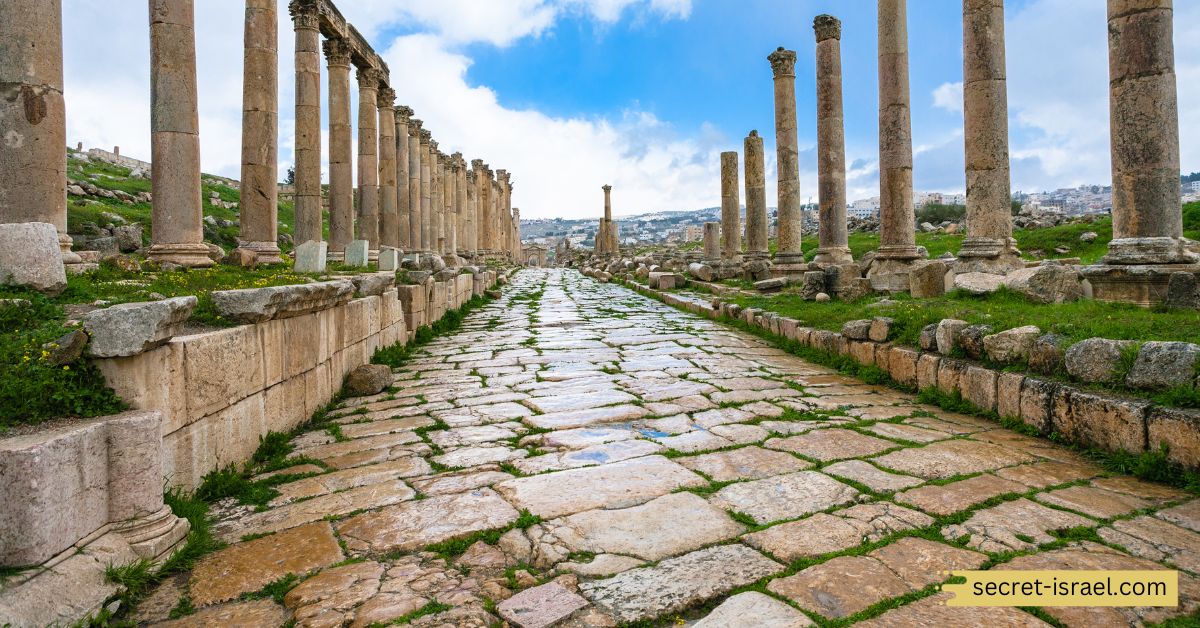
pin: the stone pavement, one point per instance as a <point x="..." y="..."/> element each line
<point x="604" y="459"/>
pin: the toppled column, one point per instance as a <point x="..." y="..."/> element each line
<point x="33" y="126"/>
<point x="367" y="227"/>
<point x="416" y="240"/>
<point x="897" y="233"/>
<point x="389" y="216"/>
<point x="403" y="200"/>
<point x="832" y="236"/>
<point x="1147" y="215"/>
<point x="756" y="198"/>
<point x="341" y="173"/>
<point x="788" y="258"/>
<point x="989" y="245"/>
<point x="177" y="234"/>
<point x="731" y="228"/>
<point x="260" y="133"/>
<point x="306" y="22"/>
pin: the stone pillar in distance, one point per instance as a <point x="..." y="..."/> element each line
<point x="833" y="238"/>
<point x="367" y="227"/>
<point x="403" y="204"/>
<point x="1147" y="214"/>
<point x="33" y="171"/>
<point x="341" y="171"/>
<point x="305" y="20"/>
<point x="603" y="239"/>
<point x="989" y="245"/>
<point x="756" y="198"/>
<point x="731" y="228"/>
<point x="260" y="133"/>
<point x="788" y="258"/>
<point x="389" y="214"/>
<point x="897" y="233"/>
<point x="177" y="234"/>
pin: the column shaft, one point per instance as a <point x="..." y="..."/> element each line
<point x="756" y="197"/>
<point x="403" y="200"/>
<point x="731" y="228"/>
<point x="260" y="132"/>
<point x="389" y="215"/>
<point x="712" y="242"/>
<point x="367" y="227"/>
<point x="177" y="235"/>
<point x="416" y="241"/>
<point x="897" y="220"/>
<point x="427" y="243"/>
<point x="308" y="124"/>
<point x="790" y="220"/>
<point x="833" y="237"/>
<point x="341" y="173"/>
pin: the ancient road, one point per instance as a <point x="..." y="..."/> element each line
<point x="634" y="462"/>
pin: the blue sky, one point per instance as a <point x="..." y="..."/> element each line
<point x="645" y="94"/>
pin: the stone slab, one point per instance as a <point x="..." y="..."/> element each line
<point x="784" y="496"/>
<point x="248" y="567"/>
<point x="747" y="463"/>
<point x="414" y="525"/>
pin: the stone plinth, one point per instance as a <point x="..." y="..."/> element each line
<point x="833" y="235"/>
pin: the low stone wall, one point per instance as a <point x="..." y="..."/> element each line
<point x="1106" y="421"/>
<point x="120" y="160"/>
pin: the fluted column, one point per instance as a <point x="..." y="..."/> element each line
<point x="897" y="220"/>
<point x="341" y="172"/>
<point x="989" y="245"/>
<point x="783" y="66"/>
<point x="389" y="216"/>
<point x="177" y="235"/>
<point x="833" y="237"/>
<point x="367" y="227"/>
<point x="731" y="228"/>
<point x="428" y="245"/>
<point x="260" y="132"/>
<point x="305" y="20"/>
<point x="416" y="239"/>
<point x="33" y="127"/>
<point x="403" y="202"/>
<point x="756" y="197"/>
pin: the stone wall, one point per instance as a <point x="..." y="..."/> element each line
<point x="100" y="154"/>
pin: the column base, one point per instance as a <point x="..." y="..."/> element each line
<point x="264" y="252"/>
<point x="792" y="258"/>
<point x="192" y="255"/>
<point x="155" y="535"/>
<point x="833" y="255"/>
<point x="1162" y="250"/>
<point x="1141" y="284"/>
<point x="64" y="245"/>
<point x="891" y="275"/>
<point x="903" y="252"/>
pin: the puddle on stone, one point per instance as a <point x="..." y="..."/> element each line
<point x="649" y="433"/>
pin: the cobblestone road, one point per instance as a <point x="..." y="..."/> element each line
<point x="609" y="459"/>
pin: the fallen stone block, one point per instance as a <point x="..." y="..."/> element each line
<point x="132" y="328"/>
<point x="30" y="256"/>
<point x="255" y="305"/>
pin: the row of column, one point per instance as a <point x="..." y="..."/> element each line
<point x="1147" y="214"/>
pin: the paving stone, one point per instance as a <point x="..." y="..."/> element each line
<point x="329" y="597"/>
<point x="826" y="533"/>
<point x="666" y="389"/>
<point x="587" y="436"/>
<point x="350" y="478"/>
<point x="541" y="606"/>
<point x="721" y="416"/>
<point x="588" y="456"/>
<point x="678" y="583"/>
<point x="910" y="433"/>
<point x="584" y="418"/>
<point x="446" y="483"/>
<point x="248" y="567"/>
<point x="1186" y="515"/>
<point x="694" y="441"/>
<point x="1157" y="493"/>
<point x="747" y="463"/>
<point x="831" y="444"/>
<point x="582" y="401"/>
<point x="873" y="477"/>
<point x="784" y="496"/>
<point x="741" y="434"/>
<point x="947" y="499"/>
<point x="753" y="610"/>
<point x="315" y="509"/>
<point x="841" y="586"/>
<point x="945" y="459"/>
<point x="413" y="525"/>
<point x="466" y="457"/>
<point x="1156" y="540"/>
<point x="932" y="611"/>
<point x="250" y="614"/>
<point x="996" y="529"/>
<point x="471" y="435"/>
<point x="921" y="562"/>
<point x="1094" y="502"/>
<point x="601" y="565"/>
<point x="614" y="485"/>
<point x="1043" y="474"/>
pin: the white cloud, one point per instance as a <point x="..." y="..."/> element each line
<point x="949" y="96"/>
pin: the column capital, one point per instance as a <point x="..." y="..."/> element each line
<point x="433" y="145"/>
<point x="471" y="177"/>
<point x="827" y="27"/>
<point x="387" y="98"/>
<point x="425" y="135"/>
<point x="606" y="188"/>
<point x="369" y="78"/>
<point x="477" y="164"/>
<point x="414" y="127"/>
<point x="783" y="62"/>
<point x="337" y="52"/>
<point x="403" y="114"/>
<point x="306" y="14"/>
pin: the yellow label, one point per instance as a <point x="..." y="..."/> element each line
<point x="1065" y="588"/>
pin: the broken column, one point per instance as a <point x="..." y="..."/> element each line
<point x="788" y="258"/>
<point x="1147" y="214"/>
<point x="33" y="127"/>
<point x="832" y="236"/>
<point x="259" y="204"/>
<point x="403" y="202"/>
<point x="177" y="235"/>
<point x="305" y="20"/>
<point x="712" y="242"/>
<point x="989" y="245"/>
<point x="897" y="233"/>
<point x="731" y="229"/>
<point x="367" y="227"/>
<point x="341" y="173"/>
<point x="756" y="198"/>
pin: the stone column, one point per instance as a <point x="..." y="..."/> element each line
<point x="712" y="242"/>
<point x="503" y="212"/>
<point x="305" y="19"/>
<point x="403" y="202"/>
<point x="462" y="215"/>
<point x="389" y="216"/>
<point x="341" y="173"/>
<point x="603" y="239"/>
<point x="435" y="199"/>
<point x="989" y="246"/>
<point x="833" y="237"/>
<point x="416" y="240"/>
<point x="470" y="217"/>
<point x="897" y="232"/>
<point x="177" y="235"/>
<point x="368" y="158"/>
<point x="731" y="228"/>
<point x="260" y="133"/>
<point x="447" y="173"/>
<point x="33" y="126"/>
<point x="756" y="198"/>
<point x="790" y="220"/>
<point x="483" y="200"/>
<point x="428" y="245"/>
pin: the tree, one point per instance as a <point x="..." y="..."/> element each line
<point x="290" y="179"/>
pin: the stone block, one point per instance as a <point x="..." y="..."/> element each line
<point x="1008" y="394"/>
<point x="978" y="283"/>
<point x="255" y="305"/>
<point x="881" y="328"/>
<point x="1183" y="291"/>
<point x="857" y="330"/>
<point x="412" y="302"/>
<point x="950" y="375"/>
<point x="928" y="280"/>
<point x="1096" y="360"/>
<point x="272" y="339"/>
<point x="357" y="253"/>
<point x="863" y="352"/>
<point x="389" y="259"/>
<point x="1050" y="283"/>
<point x="1162" y="365"/>
<point x="970" y="339"/>
<point x="1037" y="403"/>
<point x="372" y="284"/>
<point x="978" y="385"/>
<point x="1179" y="430"/>
<point x="357" y="324"/>
<point x="153" y="380"/>
<point x="1110" y="423"/>
<point x="927" y="341"/>
<point x="30" y="256"/>
<point x="928" y="366"/>
<point x="1047" y="354"/>
<point x="902" y="366"/>
<point x="311" y="257"/>
<point x="300" y="346"/>
<point x="1011" y="345"/>
<point x="948" y="330"/>
<point x="132" y="328"/>
<point x="883" y="353"/>
<point x="221" y="368"/>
